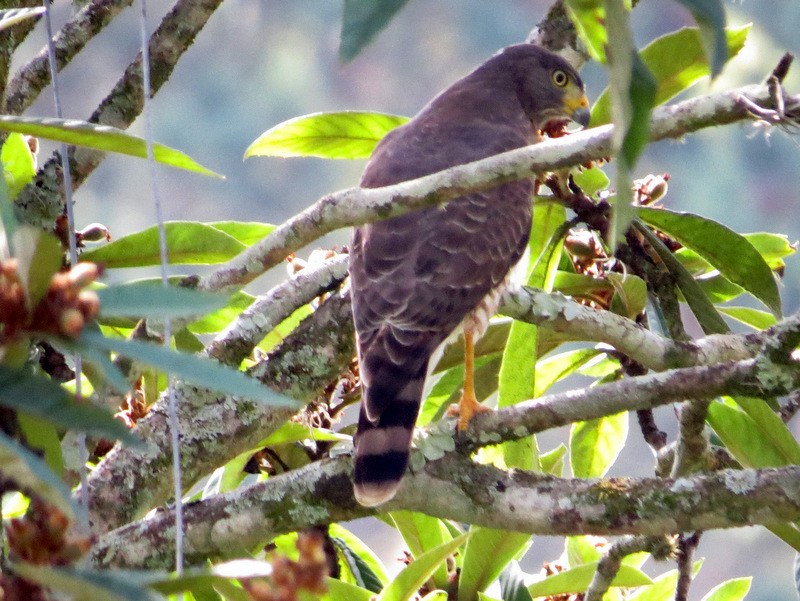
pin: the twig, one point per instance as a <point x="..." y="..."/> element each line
<point x="686" y="548"/>
<point x="608" y="567"/>
<point x="10" y="41"/>
<point x="692" y="445"/>
<point x="267" y="311"/>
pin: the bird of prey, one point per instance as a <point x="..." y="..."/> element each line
<point x="418" y="278"/>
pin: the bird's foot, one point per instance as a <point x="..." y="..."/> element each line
<point x="465" y="410"/>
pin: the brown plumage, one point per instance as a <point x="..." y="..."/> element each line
<point x="417" y="278"/>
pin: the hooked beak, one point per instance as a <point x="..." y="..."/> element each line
<point x="576" y="105"/>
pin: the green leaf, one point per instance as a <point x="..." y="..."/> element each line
<point x="362" y="562"/>
<point x="12" y="16"/>
<point x="577" y="580"/>
<point x="710" y="17"/>
<point x="8" y="221"/>
<point x="220" y="319"/>
<point x="246" y="232"/>
<point x="39" y="256"/>
<point x="32" y="474"/>
<point x="152" y="299"/>
<point x="344" y="135"/>
<point x="42" y="436"/>
<point x="556" y="367"/>
<point x="284" y="328"/>
<point x="772" y="427"/>
<point x="422" y="533"/>
<point x="729" y="252"/>
<point x="773" y="247"/>
<point x="43" y="398"/>
<point x="87" y="585"/>
<point x="701" y="306"/>
<point x="486" y="555"/>
<point x="516" y="380"/>
<point x="742" y="437"/>
<point x="735" y="589"/>
<point x="188" y="242"/>
<point x="339" y="590"/>
<point x="719" y="289"/>
<point x="630" y="294"/>
<point x="361" y="20"/>
<point x="663" y="587"/>
<point x="414" y="575"/>
<point x="232" y="473"/>
<point x="201" y="578"/>
<point x="192" y="368"/>
<point x="594" y="445"/>
<point x="291" y="432"/>
<point x="512" y="584"/>
<point x="589" y="18"/>
<point x="642" y="93"/>
<point x="19" y="164"/>
<point x="591" y="181"/>
<point x="98" y="137"/>
<point x="788" y="533"/>
<point x="581" y="550"/>
<point x="760" y="320"/>
<point x="677" y="61"/>
<point x="552" y="462"/>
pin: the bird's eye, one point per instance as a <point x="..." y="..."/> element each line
<point x="560" y="78"/>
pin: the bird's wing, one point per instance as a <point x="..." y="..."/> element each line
<point x="414" y="278"/>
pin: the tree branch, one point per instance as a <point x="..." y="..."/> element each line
<point x="456" y="488"/>
<point x="355" y="206"/>
<point x="33" y="77"/>
<point x="128" y="482"/>
<point x="239" y="339"/>
<point x="331" y="497"/>
<point x="609" y="565"/>
<point x="40" y="203"/>
<point x="220" y="432"/>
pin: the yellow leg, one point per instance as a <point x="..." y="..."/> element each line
<point x="468" y="406"/>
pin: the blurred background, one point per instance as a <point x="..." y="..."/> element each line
<point x="260" y="62"/>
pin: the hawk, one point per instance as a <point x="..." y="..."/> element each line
<point x="421" y="277"/>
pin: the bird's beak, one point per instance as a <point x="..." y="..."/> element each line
<point x="576" y="105"/>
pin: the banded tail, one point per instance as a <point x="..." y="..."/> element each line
<point x="393" y="375"/>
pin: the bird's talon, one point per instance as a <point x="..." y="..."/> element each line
<point x="465" y="411"/>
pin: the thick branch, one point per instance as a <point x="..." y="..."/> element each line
<point x="333" y="498"/>
<point x="459" y="489"/>
<point x="326" y="338"/>
<point x="355" y="206"/>
<point x="129" y="482"/>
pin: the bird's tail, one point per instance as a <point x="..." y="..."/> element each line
<point x="382" y="444"/>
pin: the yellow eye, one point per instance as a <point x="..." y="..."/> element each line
<point x="560" y="78"/>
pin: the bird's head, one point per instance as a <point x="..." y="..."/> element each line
<point x="548" y="88"/>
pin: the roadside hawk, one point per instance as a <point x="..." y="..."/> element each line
<point x="421" y="277"/>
